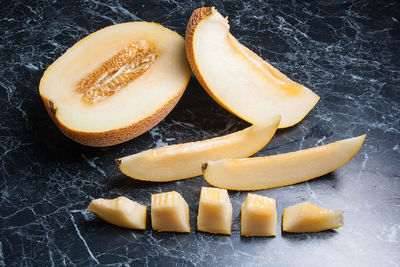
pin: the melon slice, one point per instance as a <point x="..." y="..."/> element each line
<point x="306" y="217"/>
<point x="237" y="78"/>
<point x="120" y="211"/>
<point x="283" y="169"/>
<point x="182" y="161"/>
<point x="116" y="83"/>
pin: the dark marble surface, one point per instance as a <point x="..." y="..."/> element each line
<point x="348" y="52"/>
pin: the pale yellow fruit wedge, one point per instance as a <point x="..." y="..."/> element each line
<point x="237" y="78"/>
<point x="182" y="161"/>
<point x="258" y="216"/>
<point x="169" y="212"/>
<point x="215" y="211"/>
<point x="306" y="217"/>
<point x="120" y="211"/>
<point x="283" y="169"/>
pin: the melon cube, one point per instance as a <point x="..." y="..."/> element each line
<point x="215" y="211"/>
<point x="258" y="217"/>
<point x="169" y="212"/>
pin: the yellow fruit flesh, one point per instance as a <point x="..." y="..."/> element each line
<point x="258" y="216"/>
<point x="237" y="78"/>
<point x="169" y="212"/>
<point x="117" y="72"/>
<point x="283" y="169"/>
<point x="306" y="217"/>
<point x="215" y="211"/>
<point x="185" y="160"/>
<point x="120" y="211"/>
<point x="135" y="86"/>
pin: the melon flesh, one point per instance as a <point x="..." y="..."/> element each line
<point x="258" y="216"/>
<point x="182" y="161"/>
<point x="132" y="109"/>
<point x="237" y="78"/>
<point x="215" y="211"/>
<point x="283" y="169"/>
<point x="306" y="217"/>
<point x="169" y="212"/>
<point x="120" y="211"/>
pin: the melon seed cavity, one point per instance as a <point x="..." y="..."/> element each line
<point x="117" y="72"/>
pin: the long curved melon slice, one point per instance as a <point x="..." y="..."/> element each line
<point x="237" y="78"/>
<point x="182" y="161"/>
<point x="283" y="169"/>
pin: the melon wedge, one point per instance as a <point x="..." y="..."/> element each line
<point x="182" y="161"/>
<point x="237" y="78"/>
<point x="120" y="211"/>
<point x="283" y="169"/>
<point x="116" y="83"/>
<point x="306" y="217"/>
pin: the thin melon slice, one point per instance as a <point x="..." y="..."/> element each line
<point x="283" y="169"/>
<point x="237" y="78"/>
<point x="120" y="211"/>
<point x="306" y="217"/>
<point x="116" y="83"/>
<point x="182" y="161"/>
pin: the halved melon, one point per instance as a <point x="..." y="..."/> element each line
<point x="283" y="169"/>
<point x="237" y="78"/>
<point x="182" y="161"/>
<point x="116" y="83"/>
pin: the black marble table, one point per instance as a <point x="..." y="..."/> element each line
<point x="348" y="52"/>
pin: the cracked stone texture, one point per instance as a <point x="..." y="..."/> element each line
<point x="348" y="52"/>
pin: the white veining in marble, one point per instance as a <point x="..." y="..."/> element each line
<point x="346" y="51"/>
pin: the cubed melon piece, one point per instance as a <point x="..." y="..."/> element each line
<point x="169" y="212"/>
<point x="258" y="217"/>
<point x="120" y="211"/>
<point x="306" y="217"/>
<point x="215" y="211"/>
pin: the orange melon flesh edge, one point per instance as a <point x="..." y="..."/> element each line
<point x="281" y="170"/>
<point x="237" y="78"/>
<point x="132" y="110"/>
